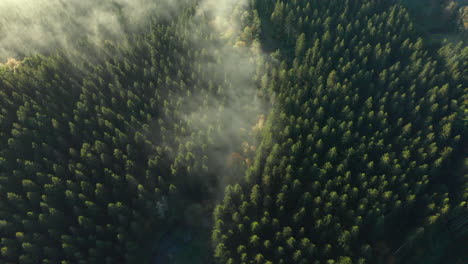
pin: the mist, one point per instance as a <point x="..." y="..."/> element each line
<point x="29" y="27"/>
<point x="239" y="107"/>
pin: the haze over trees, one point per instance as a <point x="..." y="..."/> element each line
<point x="324" y="132"/>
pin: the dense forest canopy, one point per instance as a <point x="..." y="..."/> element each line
<point x="250" y="131"/>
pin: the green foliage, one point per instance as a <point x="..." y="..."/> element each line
<point x="98" y="161"/>
<point x="362" y="129"/>
<point x="359" y="154"/>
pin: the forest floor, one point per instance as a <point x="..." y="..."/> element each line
<point x="183" y="243"/>
<point x="181" y="246"/>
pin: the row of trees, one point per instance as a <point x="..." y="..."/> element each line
<point x="97" y="160"/>
<point x="363" y="143"/>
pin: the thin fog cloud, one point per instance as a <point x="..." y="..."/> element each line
<point x="222" y="12"/>
<point x="29" y="27"/>
<point x="41" y="26"/>
<point x="239" y="108"/>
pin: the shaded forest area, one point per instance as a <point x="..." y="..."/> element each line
<point x="260" y="131"/>
<point x="437" y="20"/>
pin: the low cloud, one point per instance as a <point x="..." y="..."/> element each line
<point x="41" y="26"/>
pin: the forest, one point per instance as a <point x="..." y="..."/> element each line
<point x="233" y="132"/>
